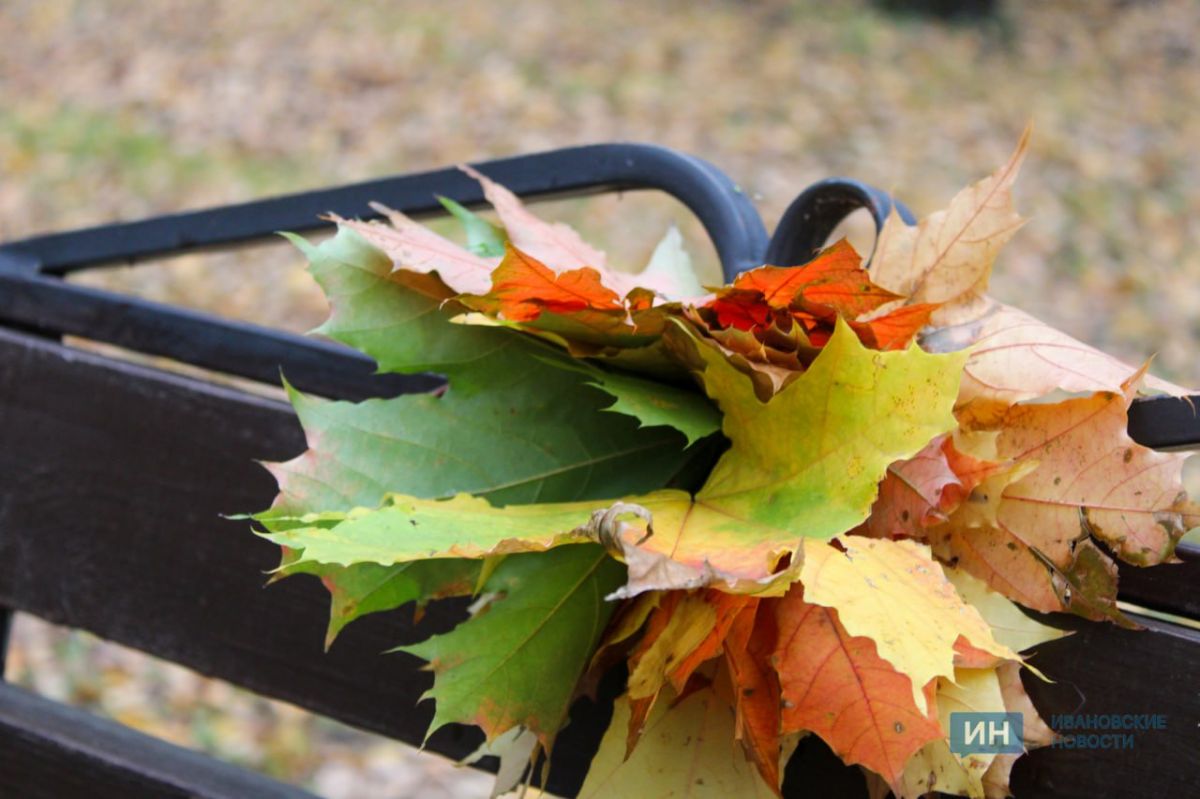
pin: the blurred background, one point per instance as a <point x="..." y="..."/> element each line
<point x="115" y="110"/>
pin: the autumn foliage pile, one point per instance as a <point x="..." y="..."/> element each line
<point x="810" y="502"/>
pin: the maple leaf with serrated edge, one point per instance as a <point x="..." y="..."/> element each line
<point x="836" y="685"/>
<point x="1077" y="475"/>
<point x="896" y="594"/>
<point x="947" y="258"/>
<point x="1015" y="357"/>
<point x="517" y="661"/>
<point x="355" y="591"/>
<point x="652" y="403"/>
<point x="832" y="284"/>
<point x="415" y="249"/>
<point x="523" y="287"/>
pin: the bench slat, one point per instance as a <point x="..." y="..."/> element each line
<point x="1170" y="587"/>
<point x="257" y="353"/>
<point x="51" y="751"/>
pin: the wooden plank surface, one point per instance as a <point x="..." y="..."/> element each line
<point x="114" y="477"/>
<point x="50" y="751"/>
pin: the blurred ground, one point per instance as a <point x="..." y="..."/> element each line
<point x="114" y="110"/>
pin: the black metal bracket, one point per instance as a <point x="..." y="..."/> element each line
<point x="808" y="222"/>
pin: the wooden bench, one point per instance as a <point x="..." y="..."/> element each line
<point x="113" y="476"/>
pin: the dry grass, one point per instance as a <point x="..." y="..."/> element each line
<point x="120" y="109"/>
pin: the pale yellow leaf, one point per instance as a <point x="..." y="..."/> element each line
<point x="686" y="752"/>
<point x="948" y="257"/>
<point x="415" y="248"/>
<point x="1015" y="357"/>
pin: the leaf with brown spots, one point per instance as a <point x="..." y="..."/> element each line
<point x="924" y="490"/>
<point x="837" y="686"/>
<point x="1076" y="475"/>
<point x="895" y="594"/>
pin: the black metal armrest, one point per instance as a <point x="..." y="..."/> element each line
<point x="728" y="216"/>
<point x="32" y="296"/>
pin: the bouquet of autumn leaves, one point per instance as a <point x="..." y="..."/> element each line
<point x="806" y="503"/>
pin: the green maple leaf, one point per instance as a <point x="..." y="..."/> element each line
<point x="654" y="404"/>
<point x="517" y="662"/>
<point x="512" y="427"/>
<point x="355" y="591"/>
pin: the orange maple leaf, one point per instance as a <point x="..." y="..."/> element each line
<point x="523" y="287"/>
<point x="748" y="649"/>
<point x="740" y="309"/>
<point x="836" y="686"/>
